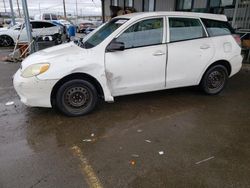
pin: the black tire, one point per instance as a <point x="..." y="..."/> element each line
<point x="76" y="98"/>
<point x="77" y="30"/>
<point x="214" y="80"/>
<point x="6" y="41"/>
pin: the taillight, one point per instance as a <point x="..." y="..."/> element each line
<point x="237" y="39"/>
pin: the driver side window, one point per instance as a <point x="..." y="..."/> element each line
<point x="144" y="33"/>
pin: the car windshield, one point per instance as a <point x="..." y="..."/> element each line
<point x="103" y="33"/>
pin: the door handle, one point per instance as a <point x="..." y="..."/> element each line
<point x="204" y="47"/>
<point x="158" y="53"/>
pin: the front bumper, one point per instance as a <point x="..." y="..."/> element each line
<point x="32" y="91"/>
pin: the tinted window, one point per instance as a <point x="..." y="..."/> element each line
<point x="38" y="25"/>
<point x="47" y="24"/>
<point x="185" y="29"/>
<point x="46" y="16"/>
<point x="53" y="17"/>
<point x="34" y="25"/>
<point x="217" y="28"/>
<point x="144" y="33"/>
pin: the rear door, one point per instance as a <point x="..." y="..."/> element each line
<point x="189" y="51"/>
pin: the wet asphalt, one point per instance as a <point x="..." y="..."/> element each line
<point x="203" y="140"/>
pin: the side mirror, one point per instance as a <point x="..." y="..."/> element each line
<point x="115" y="46"/>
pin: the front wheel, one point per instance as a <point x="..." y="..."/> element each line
<point x="6" y="41"/>
<point x="214" y="80"/>
<point x="76" y="98"/>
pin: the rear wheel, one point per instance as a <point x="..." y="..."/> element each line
<point x="76" y="98"/>
<point x="6" y="41"/>
<point x="214" y="80"/>
<point x="77" y="30"/>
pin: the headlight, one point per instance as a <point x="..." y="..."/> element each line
<point x="34" y="70"/>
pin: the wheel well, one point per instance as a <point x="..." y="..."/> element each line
<point x="220" y="62"/>
<point x="224" y="63"/>
<point x="82" y="76"/>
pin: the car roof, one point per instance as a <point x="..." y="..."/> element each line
<point x="139" y="15"/>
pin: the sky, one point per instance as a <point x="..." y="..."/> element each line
<point x="85" y="7"/>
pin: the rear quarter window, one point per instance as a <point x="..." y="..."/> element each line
<point x="217" y="28"/>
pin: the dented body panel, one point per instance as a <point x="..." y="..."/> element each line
<point x="68" y="59"/>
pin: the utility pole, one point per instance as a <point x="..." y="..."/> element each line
<point x="27" y="24"/>
<point x="76" y="13"/>
<point x="18" y="8"/>
<point x="64" y="10"/>
<point x="4" y="6"/>
<point x="12" y="13"/>
<point x="235" y="13"/>
<point x="103" y="12"/>
<point x="39" y="8"/>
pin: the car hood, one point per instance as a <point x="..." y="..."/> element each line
<point x="54" y="54"/>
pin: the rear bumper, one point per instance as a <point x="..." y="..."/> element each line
<point x="32" y="91"/>
<point x="236" y="64"/>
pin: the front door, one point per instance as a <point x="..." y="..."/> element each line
<point x="141" y="66"/>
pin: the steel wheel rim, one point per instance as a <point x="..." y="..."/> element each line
<point x="216" y="79"/>
<point x="77" y="97"/>
<point x="5" y="41"/>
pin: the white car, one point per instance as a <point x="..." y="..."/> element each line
<point x="8" y="36"/>
<point x="130" y="54"/>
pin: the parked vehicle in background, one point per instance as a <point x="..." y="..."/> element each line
<point x="8" y="37"/>
<point x="66" y="25"/>
<point x="1" y="22"/>
<point x="88" y="30"/>
<point x="83" y="26"/>
<point x="46" y="16"/>
<point x="133" y="53"/>
<point x="17" y="21"/>
<point x="65" y="22"/>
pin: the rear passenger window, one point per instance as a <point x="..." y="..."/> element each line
<point x="217" y="28"/>
<point x="48" y="25"/>
<point x="185" y="29"/>
<point x="34" y="25"/>
<point x="43" y="25"/>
